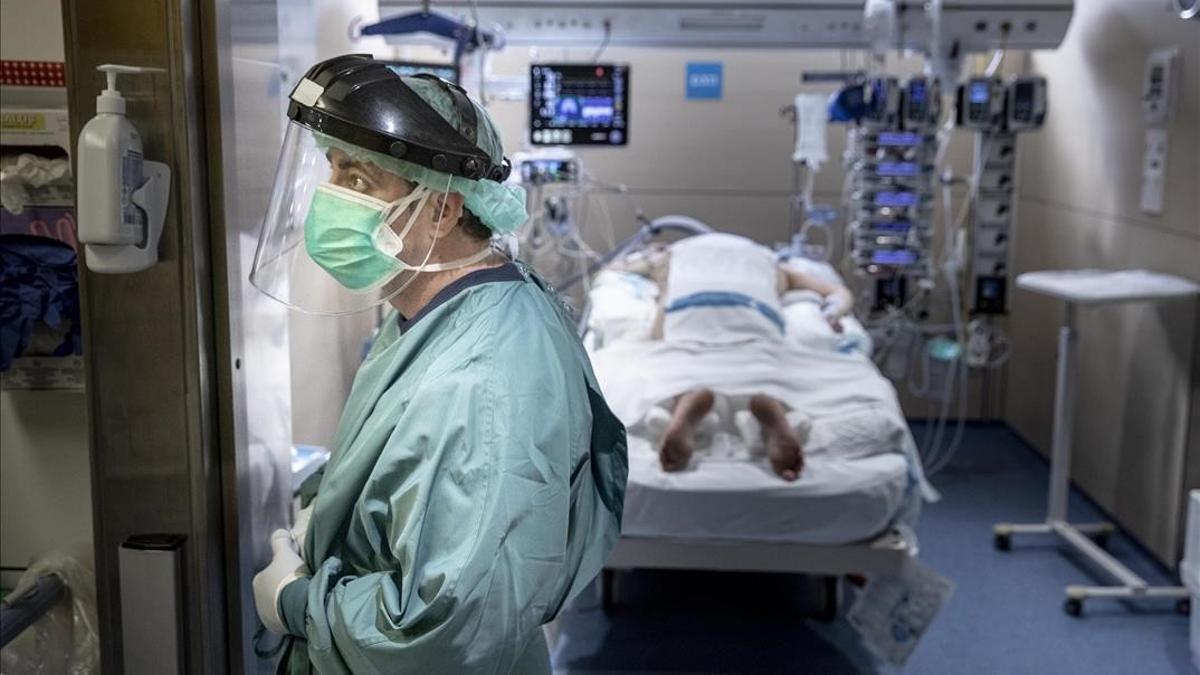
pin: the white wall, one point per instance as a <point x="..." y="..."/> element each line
<point x="31" y="30"/>
<point x="1079" y="207"/>
<point x="45" y="475"/>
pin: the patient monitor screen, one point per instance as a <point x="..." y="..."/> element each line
<point x="579" y="104"/>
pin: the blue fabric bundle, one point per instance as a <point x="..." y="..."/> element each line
<point x="39" y="282"/>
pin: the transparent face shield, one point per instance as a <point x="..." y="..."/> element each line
<point x="340" y="234"/>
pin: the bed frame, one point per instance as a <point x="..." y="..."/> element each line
<point x="881" y="555"/>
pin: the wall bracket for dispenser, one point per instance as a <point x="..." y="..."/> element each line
<point x="152" y="197"/>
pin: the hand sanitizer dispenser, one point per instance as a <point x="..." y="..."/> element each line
<point x="122" y="198"/>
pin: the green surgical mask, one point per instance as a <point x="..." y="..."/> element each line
<point x="349" y="235"/>
<point x="343" y="232"/>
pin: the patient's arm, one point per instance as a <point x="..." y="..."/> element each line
<point x="838" y="299"/>
<point x="652" y="264"/>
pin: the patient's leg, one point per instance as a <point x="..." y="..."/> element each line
<point x="787" y="457"/>
<point x="690" y="409"/>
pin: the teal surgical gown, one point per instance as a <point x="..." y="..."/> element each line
<point x="475" y="487"/>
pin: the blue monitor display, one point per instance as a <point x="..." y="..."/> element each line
<point x="902" y="256"/>
<point x="896" y="199"/>
<point x="979" y="92"/>
<point x="897" y="169"/>
<point x="579" y="104"/>
<point x="892" y="226"/>
<point x="899" y="139"/>
<point x="446" y="71"/>
<point x="916" y="92"/>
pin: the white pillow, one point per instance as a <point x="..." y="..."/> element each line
<point x="816" y="268"/>
<point x="623" y="309"/>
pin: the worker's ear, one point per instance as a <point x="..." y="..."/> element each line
<point x="447" y="209"/>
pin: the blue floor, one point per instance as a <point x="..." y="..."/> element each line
<point x="1006" y="616"/>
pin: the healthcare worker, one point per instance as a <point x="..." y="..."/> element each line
<point x="477" y="476"/>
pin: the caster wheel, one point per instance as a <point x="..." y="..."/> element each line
<point x="1184" y="606"/>
<point x="1002" y="542"/>
<point x="832" y="592"/>
<point x="1073" y="607"/>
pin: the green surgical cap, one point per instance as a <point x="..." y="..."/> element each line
<point x="499" y="206"/>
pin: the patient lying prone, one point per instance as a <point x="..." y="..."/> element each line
<point x="720" y="294"/>
<point x="781" y="442"/>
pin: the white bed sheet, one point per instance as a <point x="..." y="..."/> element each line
<point x="861" y="475"/>
<point x="835" y="501"/>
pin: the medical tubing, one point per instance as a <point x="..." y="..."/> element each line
<point x="919" y="348"/>
<point x="959" y="370"/>
<point x="604" y="42"/>
<point x="994" y="64"/>
<point x="688" y="225"/>
<point x="998" y="54"/>
<point x="936" y="457"/>
<point x="619" y="188"/>
<point x="962" y="419"/>
<point x="927" y="437"/>
<point x="934" y="451"/>
<point x="962" y="413"/>
<point x="610" y="231"/>
<point x="943" y="142"/>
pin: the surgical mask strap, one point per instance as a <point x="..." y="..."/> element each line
<point x="387" y="239"/>
<point x="461" y="262"/>
<point x="425" y="265"/>
<point x="420" y="194"/>
<point x="415" y="272"/>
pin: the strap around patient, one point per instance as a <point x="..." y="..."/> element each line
<point x="727" y="299"/>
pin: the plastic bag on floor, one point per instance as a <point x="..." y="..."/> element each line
<point x="893" y="612"/>
<point x="64" y="641"/>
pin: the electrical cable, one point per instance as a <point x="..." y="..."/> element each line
<point x="604" y="42"/>
<point x="474" y="5"/>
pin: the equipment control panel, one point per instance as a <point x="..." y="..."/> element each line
<point x="1026" y="103"/>
<point x="981" y="104"/>
<point x="579" y="104"/>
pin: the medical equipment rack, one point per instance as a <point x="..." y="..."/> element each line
<point x="1075" y="288"/>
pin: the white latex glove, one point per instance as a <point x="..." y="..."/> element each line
<point x="286" y="566"/>
<point x="300" y="529"/>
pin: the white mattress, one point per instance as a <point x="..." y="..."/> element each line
<point x="836" y="500"/>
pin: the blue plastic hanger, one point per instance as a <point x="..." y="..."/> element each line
<point x="466" y="38"/>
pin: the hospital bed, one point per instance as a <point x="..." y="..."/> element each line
<point x="850" y="512"/>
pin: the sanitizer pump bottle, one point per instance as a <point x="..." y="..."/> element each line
<point x="121" y="196"/>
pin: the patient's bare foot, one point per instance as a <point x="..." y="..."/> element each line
<point x="783" y="447"/>
<point x="677" y="448"/>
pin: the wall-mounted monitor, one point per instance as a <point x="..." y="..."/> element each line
<point x="578" y="104"/>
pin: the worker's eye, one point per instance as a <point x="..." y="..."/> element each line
<point x="358" y="182"/>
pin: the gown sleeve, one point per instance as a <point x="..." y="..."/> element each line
<point x="461" y="539"/>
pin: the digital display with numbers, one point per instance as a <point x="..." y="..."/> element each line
<point x="896" y="199"/>
<point x="574" y="104"/>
